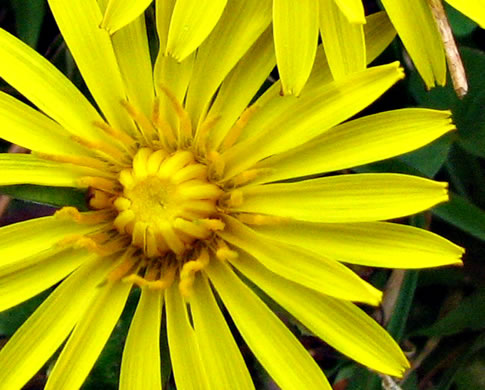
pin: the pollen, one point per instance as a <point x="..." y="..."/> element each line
<point x="167" y="203"/>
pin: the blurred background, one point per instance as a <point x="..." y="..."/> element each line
<point x="438" y="315"/>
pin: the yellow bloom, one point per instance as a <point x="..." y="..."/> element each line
<point x="296" y="27"/>
<point x="186" y="195"/>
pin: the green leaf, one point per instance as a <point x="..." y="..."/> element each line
<point x="464" y="215"/>
<point x="52" y="196"/>
<point x="29" y="15"/>
<point x="426" y="161"/>
<point x="11" y="319"/>
<point x="460" y="24"/>
<point x="429" y="159"/>
<point x="106" y="372"/>
<point x="461" y="360"/>
<point x="401" y="311"/>
<point x="468" y="113"/>
<point x="470" y="376"/>
<point x="470" y="314"/>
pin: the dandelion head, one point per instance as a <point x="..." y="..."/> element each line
<point x="201" y="185"/>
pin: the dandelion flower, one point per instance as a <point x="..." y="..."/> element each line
<point x="190" y="201"/>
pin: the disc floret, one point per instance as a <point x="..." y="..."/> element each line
<point x="167" y="202"/>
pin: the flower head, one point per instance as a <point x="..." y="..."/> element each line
<point x="189" y="197"/>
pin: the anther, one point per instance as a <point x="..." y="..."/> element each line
<point x="91" y="217"/>
<point x="99" y="183"/>
<point x="185" y="125"/>
<point x="235" y="132"/>
<point x="84" y="161"/>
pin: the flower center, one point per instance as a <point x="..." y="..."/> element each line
<point x="167" y="202"/>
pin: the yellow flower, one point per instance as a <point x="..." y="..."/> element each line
<point x="296" y="27"/>
<point x="185" y="178"/>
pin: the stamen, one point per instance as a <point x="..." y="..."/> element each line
<point x="172" y="165"/>
<point x="95" y="244"/>
<point x="154" y="161"/>
<point x="139" y="234"/>
<point x="127" y="263"/>
<point x="198" y="189"/>
<point x="122" y="203"/>
<point x="172" y="239"/>
<point x="193" y="228"/>
<point x="201" y="139"/>
<point x="212" y="224"/>
<point x="165" y="132"/>
<point x="247" y="176"/>
<point x="168" y="277"/>
<point x="99" y="183"/>
<point x="217" y="165"/>
<point x="223" y="252"/>
<point x="233" y="199"/>
<point x="107" y="151"/>
<point x="83" y="161"/>
<point x="236" y="130"/>
<point x="100" y="200"/>
<point x="187" y="274"/>
<point x="125" y="140"/>
<point x="91" y="217"/>
<point x="147" y="130"/>
<point x="140" y="163"/>
<point x="190" y="172"/>
<point x="185" y="124"/>
<point x="125" y="221"/>
<point x="260" y="219"/>
<point x="126" y="179"/>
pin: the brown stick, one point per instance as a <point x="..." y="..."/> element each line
<point x="455" y="64"/>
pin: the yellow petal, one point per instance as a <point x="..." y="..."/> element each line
<point x="168" y="72"/>
<point x="265" y="334"/>
<point x="25" y="126"/>
<point x="187" y="365"/>
<point x="285" y="123"/>
<point x="343" y="40"/>
<point x="25" y="279"/>
<point x="301" y="266"/>
<point x="191" y="23"/>
<point x="379" y="33"/>
<point x="419" y="34"/>
<point x="45" y="86"/>
<point x="231" y="100"/>
<point x="345" y="198"/>
<point x="229" y="41"/>
<point x="121" y="12"/>
<point x="27" y="169"/>
<point x="340" y="324"/>
<point x="224" y="364"/>
<point x="164" y="10"/>
<point x="352" y="9"/>
<point x="93" y="52"/>
<point x="45" y="330"/>
<point x="140" y="367"/>
<point x="474" y="9"/>
<point x="22" y="240"/>
<point x="131" y="49"/>
<point x="373" y="244"/>
<point x="295" y="27"/>
<point x="89" y="337"/>
<point x="384" y="135"/>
